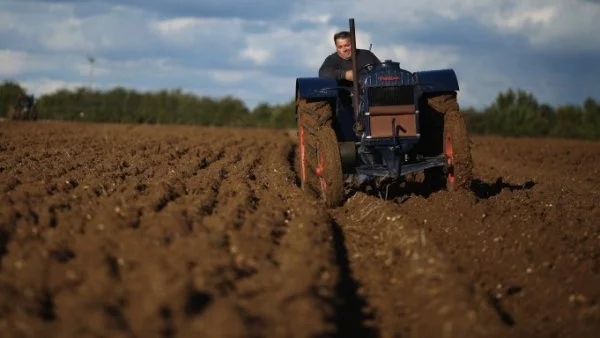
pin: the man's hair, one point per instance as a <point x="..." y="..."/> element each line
<point x="341" y="35"/>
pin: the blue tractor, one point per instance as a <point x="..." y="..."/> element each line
<point x="385" y="125"/>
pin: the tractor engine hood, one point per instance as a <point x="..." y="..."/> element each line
<point x="388" y="73"/>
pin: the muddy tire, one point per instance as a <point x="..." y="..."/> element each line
<point x="458" y="150"/>
<point x="446" y="132"/>
<point x="318" y="160"/>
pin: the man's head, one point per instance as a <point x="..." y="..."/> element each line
<point x="343" y="44"/>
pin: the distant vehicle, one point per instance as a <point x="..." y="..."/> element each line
<point x="23" y="109"/>
<point x="411" y="123"/>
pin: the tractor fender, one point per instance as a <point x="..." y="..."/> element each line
<point x="442" y="80"/>
<point x="316" y="87"/>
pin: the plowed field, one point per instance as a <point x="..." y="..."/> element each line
<point x="180" y="231"/>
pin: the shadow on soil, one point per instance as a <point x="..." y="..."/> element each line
<point x="404" y="190"/>
<point x="349" y="317"/>
<point x="506" y="318"/>
<point x="486" y="190"/>
<point x="4" y="239"/>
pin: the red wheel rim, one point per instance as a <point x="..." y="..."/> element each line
<point x="449" y="158"/>
<point x="302" y="156"/>
<point x="320" y="170"/>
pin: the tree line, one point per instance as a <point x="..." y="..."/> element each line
<point x="121" y="105"/>
<point x="518" y="113"/>
<point x="514" y="112"/>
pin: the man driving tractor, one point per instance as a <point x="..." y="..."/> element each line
<point x="339" y="64"/>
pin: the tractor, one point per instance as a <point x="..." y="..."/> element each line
<point x="408" y="123"/>
<point x="23" y="109"/>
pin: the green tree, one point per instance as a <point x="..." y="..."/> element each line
<point x="261" y="115"/>
<point x="568" y="121"/>
<point x="285" y="115"/>
<point x="591" y="119"/>
<point x="516" y="113"/>
<point x="9" y="92"/>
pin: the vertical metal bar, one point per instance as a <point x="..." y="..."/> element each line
<point x="354" y="70"/>
<point x="394" y="132"/>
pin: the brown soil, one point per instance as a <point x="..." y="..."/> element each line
<point x="173" y="231"/>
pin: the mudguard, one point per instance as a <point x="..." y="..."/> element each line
<point x="443" y="80"/>
<point x="316" y="87"/>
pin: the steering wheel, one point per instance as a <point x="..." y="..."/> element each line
<point x="368" y="67"/>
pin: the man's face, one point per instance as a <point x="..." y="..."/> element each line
<point x="343" y="48"/>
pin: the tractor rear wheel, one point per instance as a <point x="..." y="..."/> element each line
<point x="447" y="134"/>
<point x="458" y="152"/>
<point x="318" y="159"/>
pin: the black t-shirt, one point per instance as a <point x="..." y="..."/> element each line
<point x="335" y="67"/>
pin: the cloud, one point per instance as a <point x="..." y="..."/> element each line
<point x="543" y="23"/>
<point x="248" y="9"/>
<point x="57" y="28"/>
<point x="231" y="77"/>
<point x="44" y="85"/>
<point x="11" y="62"/>
<point x="27" y="64"/>
<point x="259" y="56"/>
<point x="198" y="34"/>
<point x="421" y="57"/>
<point x="188" y="28"/>
<point x="256" y="49"/>
<point x="553" y="25"/>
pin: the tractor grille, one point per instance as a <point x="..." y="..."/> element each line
<point x="391" y="96"/>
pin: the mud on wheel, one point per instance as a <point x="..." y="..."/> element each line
<point x="458" y="151"/>
<point x="448" y="135"/>
<point x="318" y="160"/>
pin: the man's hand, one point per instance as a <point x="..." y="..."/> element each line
<point x="348" y="75"/>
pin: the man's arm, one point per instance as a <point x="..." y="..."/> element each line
<point x="330" y="68"/>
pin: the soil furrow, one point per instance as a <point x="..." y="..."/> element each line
<point x="526" y="236"/>
<point x="411" y="287"/>
<point x="183" y="231"/>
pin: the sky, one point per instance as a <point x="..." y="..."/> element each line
<point x="254" y="50"/>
